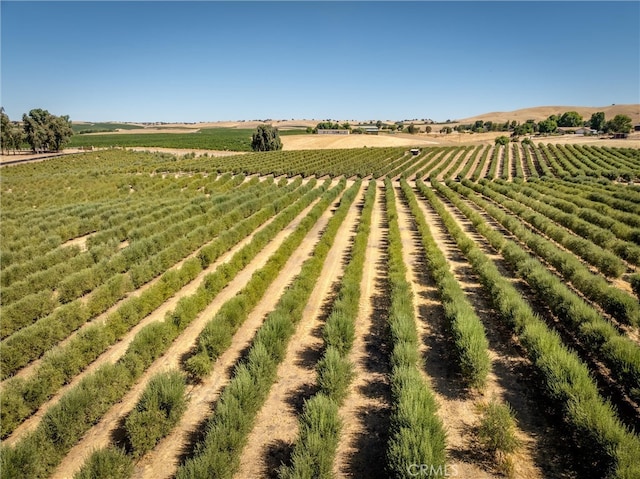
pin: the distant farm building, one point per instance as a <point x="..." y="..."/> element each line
<point x="586" y="131"/>
<point x="333" y="132"/>
<point x="371" y="130"/>
<point x="415" y="151"/>
<point x="636" y="128"/>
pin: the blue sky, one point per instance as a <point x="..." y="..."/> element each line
<point x="209" y="61"/>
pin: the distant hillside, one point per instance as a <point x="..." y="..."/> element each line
<point x="543" y="112"/>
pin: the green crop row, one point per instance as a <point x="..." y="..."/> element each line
<point x="605" y="261"/>
<point x="218" y="454"/>
<point x="465" y="328"/>
<point x="480" y="166"/>
<point x="178" y="241"/>
<point x="612" y="300"/>
<point x="416" y="434"/>
<point x="620" y="353"/>
<point x="20" y="398"/>
<point x="160" y="407"/>
<point x="611" y="447"/>
<point x="319" y="425"/>
<point x="65" y="422"/>
<point x="217" y="334"/>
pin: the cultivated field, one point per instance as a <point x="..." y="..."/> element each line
<point x="471" y="311"/>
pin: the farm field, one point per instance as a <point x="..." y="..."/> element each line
<point x="470" y="311"/>
<point x="233" y="139"/>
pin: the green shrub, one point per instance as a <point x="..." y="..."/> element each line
<point x="108" y="463"/>
<point x="157" y="411"/>
<point x="497" y="431"/>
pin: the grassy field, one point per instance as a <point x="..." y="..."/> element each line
<point x="232" y="139"/>
<point x="80" y="128"/>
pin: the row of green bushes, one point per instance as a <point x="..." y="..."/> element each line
<point x="605" y="261"/>
<point x="32" y="341"/>
<point x="611" y="447"/>
<point x="518" y="162"/>
<point x="600" y="236"/>
<point x="320" y="424"/>
<point x="465" y="328"/>
<point x="217" y="334"/>
<point x="66" y="421"/>
<point x="87" y="270"/>
<point x="472" y="160"/>
<point x="566" y="203"/>
<point x="614" y="301"/>
<point x="158" y="410"/>
<point x="493" y="165"/>
<point x="619" y="352"/>
<point x="218" y="455"/>
<point x="416" y="433"/>
<point x="480" y="166"/>
<point x="576" y="194"/>
<point x="533" y="172"/>
<point x="19" y="398"/>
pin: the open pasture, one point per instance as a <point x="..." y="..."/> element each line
<point x="325" y="313"/>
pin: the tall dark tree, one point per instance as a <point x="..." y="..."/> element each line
<point x="5" y="130"/>
<point x="547" y="126"/>
<point x="597" y="121"/>
<point x="46" y="132"/>
<point x="619" y="124"/>
<point x="266" y="138"/>
<point x="570" y="118"/>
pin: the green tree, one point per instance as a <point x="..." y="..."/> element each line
<point x="428" y="129"/>
<point x="502" y="140"/>
<point x="597" y="121"/>
<point x="413" y="129"/>
<point x="619" y="124"/>
<point x="570" y="118"/>
<point x="60" y="131"/>
<point x="5" y="130"/>
<point x="547" y="126"/>
<point x="46" y="132"/>
<point x="266" y="138"/>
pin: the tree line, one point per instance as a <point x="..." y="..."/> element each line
<point x="568" y="119"/>
<point x="40" y="130"/>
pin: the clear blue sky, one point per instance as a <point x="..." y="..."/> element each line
<point x="209" y="61"/>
